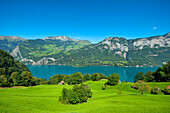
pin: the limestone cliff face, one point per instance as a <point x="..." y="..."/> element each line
<point x="153" y="42"/>
<point x="122" y="46"/>
<point x="134" y="50"/>
<point x="137" y="44"/>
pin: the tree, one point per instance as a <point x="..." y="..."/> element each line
<point x="142" y="86"/>
<point x="75" y="78"/>
<point x="159" y="76"/>
<point x="95" y="77"/>
<point x="27" y="78"/>
<point x="139" y="76"/>
<point x="73" y="97"/>
<point x="64" y="93"/>
<point x="16" y="78"/>
<point x="149" y="76"/>
<point x="77" y="94"/>
<point x="3" y="81"/>
<point x="113" y="79"/>
<point x="66" y="78"/>
<point x="102" y="76"/>
<point x="10" y="70"/>
<point x="86" y="77"/>
<point x="56" y="79"/>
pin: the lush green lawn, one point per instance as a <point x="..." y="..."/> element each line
<point x="44" y="98"/>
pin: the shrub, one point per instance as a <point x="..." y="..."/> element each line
<point x="155" y="90"/>
<point x="166" y="91"/>
<point x="77" y="94"/>
<point x="113" y="79"/>
<point x="104" y="87"/>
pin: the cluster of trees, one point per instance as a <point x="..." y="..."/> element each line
<point x="75" y="78"/>
<point x="77" y="94"/>
<point x="142" y="86"/>
<point x="13" y="72"/>
<point x="162" y="74"/>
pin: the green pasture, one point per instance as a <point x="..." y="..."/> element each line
<point x="44" y="99"/>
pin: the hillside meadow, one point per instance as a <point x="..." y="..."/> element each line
<point x="44" y="99"/>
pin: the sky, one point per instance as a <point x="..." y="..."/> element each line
<point x="92" y="20"/>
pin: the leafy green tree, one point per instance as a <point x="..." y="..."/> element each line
<point x="102" y="76"/>
<point x="159" y="76"/>
<point x="56" y="79"/>
<point x="89" y="92"/>
<point x="64" y="93"/>
<point x="77" y="94"/>
<point x="42" y="81"/>
<point x="95" y="77"/>
<point x="149" y="76"/>
<point x="142" y="86"/>
<point x="73" y="97"/>
<point x="86" y="77"/>
<point x="66" y="78"/>
<point x="27" y="78"/>
<point x="113" y="79"/>
<point x="16" y="78"/>
<point x="139" y="76"/>
<point x="75" y="78"/>
<point x="3" y="81"/>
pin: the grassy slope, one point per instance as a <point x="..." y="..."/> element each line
<point x="44" y="98"/>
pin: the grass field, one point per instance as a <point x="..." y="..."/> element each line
<point x="44" y="99"/>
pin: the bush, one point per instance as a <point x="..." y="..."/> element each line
<point x="104" y="87"/>
<point x="155" y="90"/>
<point x="113" y="79"/>
<point x="166" y="91"/>
<point x="77" y="94"/>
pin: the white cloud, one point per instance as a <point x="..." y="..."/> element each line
<point x="154" y="27"/>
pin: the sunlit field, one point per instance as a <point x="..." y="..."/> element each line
<point x="120" y="98"/>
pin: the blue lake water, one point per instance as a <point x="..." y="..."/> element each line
<point x="126" y="73"/>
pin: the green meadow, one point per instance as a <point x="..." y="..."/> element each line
<point x="120" y="99"/>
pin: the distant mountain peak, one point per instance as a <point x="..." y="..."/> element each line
<point x="63" y="38"/>
<point x="167" y="35"/>
<point x="12" y="38"/>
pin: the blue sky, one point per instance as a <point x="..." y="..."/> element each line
<point x="92" y="20"/>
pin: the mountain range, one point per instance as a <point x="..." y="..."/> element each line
<point x="112" y="51"/>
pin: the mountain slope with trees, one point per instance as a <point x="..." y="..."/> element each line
<point x="112" y="51"/>
<point x="13" y="72"/>
<point x="47" y="50"/>
<point x="8" y="43"/>
<point x="116" y="51"/>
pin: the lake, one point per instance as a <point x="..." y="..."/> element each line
<point x="126" y="73"/>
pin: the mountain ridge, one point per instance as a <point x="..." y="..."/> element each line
<point x="113" y="51"/>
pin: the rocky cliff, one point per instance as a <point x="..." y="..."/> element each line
<point x="114" y="51"/>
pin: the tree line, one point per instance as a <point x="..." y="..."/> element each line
<point x="162" y="74"/>
<point x="13" y="72"/>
